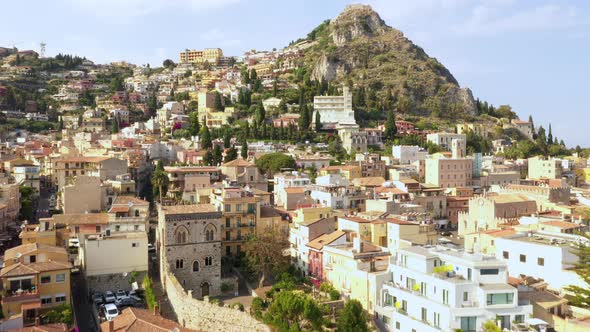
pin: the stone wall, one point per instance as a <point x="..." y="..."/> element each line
<point x="112" y="282"/>
<point x="203" y="316"/>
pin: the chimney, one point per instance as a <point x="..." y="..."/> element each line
<point x="111" y="326"/>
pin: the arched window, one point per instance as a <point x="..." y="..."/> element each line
<point x="196" y="266"/>
<point x="181" y="235"/>
<point x="208" y="261"/>
<point x="209" y="232"/>
<point x="180" y="263"/>
<point x="137" y="213"/>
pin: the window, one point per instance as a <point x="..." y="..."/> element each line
<point x="181" y="235"/>
<point x="208" y="261"/>
<point x="61" y="277"/>
<point x="136" y="211"/>
<point x="468" y="324"/>
<point x="404" y="306"/>
<point x="487" y="272"/>
<point x="424" y="314"/>
<point x="238" y="207"/>
<point x="32" y="258"/>
<point x="228" y="251"/>
<point x="60" y="298"/>
<point x="519" y="318"/>
<point x="541" y="261"/>
<point x="505" y="254"/>
<point x="523" y="258"/>
<point x="227" y="222"/>
<point x="445" y="296"/>
<point x="465" y="296"/>
<point x="134" y="244"/>
<point x="227" y="208"/>
<point x="227" y="235"/>
<point x="136" y="227"/>
<point x="500" y="298"/>
<point x="179" y="263"/>
<point x="195" y="266"/>
<point x="45" y="279"/>
<point x="46" y="300"/>
<point x="117" y="228"/>
<point x="398" y="325"/>
<point x="388" y="300"/>
<point x="98" y="228"/>
<point x="469" y="273"/>
<point x="436" y="319"/>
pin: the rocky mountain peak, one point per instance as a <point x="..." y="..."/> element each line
<point x="356" y="20"/>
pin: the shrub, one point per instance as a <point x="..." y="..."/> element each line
<point x="226" y="287"/>
<point x="238" y="306"/>
<point x="256" y="307"/>
<point x="443" y="269"/>
<point x="150" y="297"/>
<point x="334" y="295"/>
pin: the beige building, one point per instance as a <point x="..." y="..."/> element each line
<point x="189" y="242"/>
<point x="66" y="169"/>
<point x="487" y="212"/>
<point x="449" y="173"/>
<point x="210" y="55"/>
<point x="445" y="140"/>
<point x="240" y="214"/>
<point x="244" y="173"/>
<point x="544" y="168"/>
<point x="477" y="128"/>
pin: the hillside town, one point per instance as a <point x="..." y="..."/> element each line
<point x="240" y="193"/>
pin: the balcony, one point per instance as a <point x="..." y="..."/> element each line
<point x="9" y="296"/>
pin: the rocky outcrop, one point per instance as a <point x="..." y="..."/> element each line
<point x="359" y="46"/>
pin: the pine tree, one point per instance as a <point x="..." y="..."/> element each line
<point x="206" y="137"/>
<point x="390" y="127"/>
<point x="260" y="113"/>
<point x="253" y="75"/>
<point x="275" y="88"/>
<point x="318" y="122"/>
<point x="114" y="126"/>
<point x="194" y="126"/>
<point x="244" y="151"/>
<point x="231" y="154"/>
<point x="227" y="139"/>
<point x="218" y="103"/>
<point x="217" y="155"/>
<point x="549" y="136"/>
<point x="303" y="118"/>
<point x="208" y="158"/>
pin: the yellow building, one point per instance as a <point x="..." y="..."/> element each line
<point x="477" y="128"/>
<point x="210" y="55"/>
<point x="544" y="168"/>
<point x="219" y="119"/>
<point x="241" y="213"/>
<point x="262" y="69"/>
<point x="356" y="270"/>
<point x="311" y="213"/>
<point x="349" y="172"/>
<point x="35" y="278"/>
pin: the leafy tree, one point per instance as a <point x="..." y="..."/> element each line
<point x="26" y="200"/>
<point x="160" y="180"/>
<point x="264" y="254"/>
<point x="273" y="162"/>
<point x="59" y="314"/>
<point x="581" y="295"/>
<point x="206" y="137"/>
<point x="217" y="155"/>
<point x="218" y="103"/>
<point x="289" y="310"/>
<point x="231" y="154"/>
<point x="390" y="127"/>
<point x="491" y="326"/>
<point x="193" y="121"/>
<point x="352" y="318"/>
<point x="169" y="64"/>
<point x="116" y="84"/>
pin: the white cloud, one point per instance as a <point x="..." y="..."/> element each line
<point x="120" y="9"/>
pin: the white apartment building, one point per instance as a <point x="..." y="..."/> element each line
<point x="288" y="180"/>
<point x="445" y="140"/>
<point x="334" y="110"/>
<point x="408" y="154"/>
<point x="439" y="289"/>
<point x="542" y="254"/>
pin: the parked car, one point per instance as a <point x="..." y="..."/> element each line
<point x="121" y="294"/>
<point x="135" y="295"/>
<point x="110" y="311"/>
<point x="109" y="297"/>
<point x="125" y="302"/>
<point x="74" y="243"/>
<point x="446" y="233"/>
<point x="97" y="299"/>
<point x="151" y="248"/>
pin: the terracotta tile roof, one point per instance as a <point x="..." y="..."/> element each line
<point x="84" y="159"/>
<point x="59" y="327"/>
<point x="319" y="242"/>
<point x="141" y="320"/>
<point x="25" y="249"/>
<point x="561" y="224"/>
<point x="313" y="221"/>
<point x="238" y="163"/>
<point x="269" y="212"/>
<point x="195" y="208"/>
<point x="121" y="208"/>
<point x="81" y="219"/>
<point x="295" y="190"/>
<point x="400" y="222"/>
<point x="20" y="269"/>
<point x="120" y="200"/>
<point x="371" y="181"/>
<point x="500" y="232"/>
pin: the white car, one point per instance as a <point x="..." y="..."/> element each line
<point x="121" y="294"/>
<point x="109" y="297"/>
<point x="74" y="243"/>
<point x="133" y="295"/>
<point x="110" y="311"/>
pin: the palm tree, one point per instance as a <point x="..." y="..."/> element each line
<point x="160" y="180"/>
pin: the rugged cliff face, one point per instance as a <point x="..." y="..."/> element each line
<point x="358" y="46"/>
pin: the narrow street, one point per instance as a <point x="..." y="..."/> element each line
<point x="82" y="306"/>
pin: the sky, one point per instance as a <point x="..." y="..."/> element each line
<point x="532" y="55"/>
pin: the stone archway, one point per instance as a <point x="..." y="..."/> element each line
<point x="205" y="289"/>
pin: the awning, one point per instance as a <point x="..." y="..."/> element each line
<point x="31" y="305"/>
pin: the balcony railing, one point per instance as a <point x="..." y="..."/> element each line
<point x="20" y="295"/>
